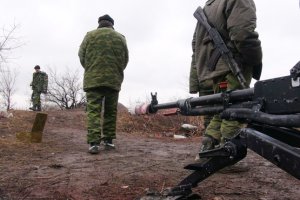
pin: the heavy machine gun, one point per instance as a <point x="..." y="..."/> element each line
<point x="272" y="111"/>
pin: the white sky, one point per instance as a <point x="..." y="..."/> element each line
<point x="158" y="33"/>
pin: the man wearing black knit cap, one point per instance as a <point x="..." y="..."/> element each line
<point x="105" y="21"/>
<point x="103" y="54"/>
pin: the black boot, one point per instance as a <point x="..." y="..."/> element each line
<point x="208" y="143"/>
<point x="108" y="144"/>
<point x="94" y="148"/>
<point x="38" y="108"/>
<point x="32" y="108"/>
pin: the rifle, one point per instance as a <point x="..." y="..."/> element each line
<point x="221" y="49"/>
<point x="271" y="110"/>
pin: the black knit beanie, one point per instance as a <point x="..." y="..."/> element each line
<point x="106" y="17"/>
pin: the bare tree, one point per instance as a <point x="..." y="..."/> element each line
<point x="65" y="90"/>
<point x="7" y="86"/>
<point x="8" y="42"/>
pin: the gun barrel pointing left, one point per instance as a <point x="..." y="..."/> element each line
<point x="272" y="111"/>
<point x="272" y="107"/>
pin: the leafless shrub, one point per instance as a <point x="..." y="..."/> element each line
<point x="65" y="90"/>
<point x="8" y="42"/>
<point x="7" y="86"/>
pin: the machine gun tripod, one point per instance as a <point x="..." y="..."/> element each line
<point x="272" y="111"/>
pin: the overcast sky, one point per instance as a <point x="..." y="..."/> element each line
<point x="158" y="33"/>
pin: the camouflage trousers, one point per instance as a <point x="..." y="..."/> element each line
<point x="222" y="129"/>
<point x="36" y="98"/>
<point x="101" y="114"/>
<point x="206" y="88"/>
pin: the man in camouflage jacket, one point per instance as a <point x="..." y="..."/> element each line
<point x="103" y="54"/>
<point x="39" y="85"/>
<point x="235" y="20"/>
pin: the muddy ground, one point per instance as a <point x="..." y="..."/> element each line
<point x="61" y="168"/>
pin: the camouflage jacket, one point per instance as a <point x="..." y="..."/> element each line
<point x="103" y="54"/>
<point x="205" y="87"/>
<point x="236" y="22"/>
<point x="39" y="82"/>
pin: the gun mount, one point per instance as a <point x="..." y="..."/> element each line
<point x="272" y="111"/>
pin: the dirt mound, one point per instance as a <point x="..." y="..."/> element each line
<point x="151" y="125"/>
<point x="158" y="124"/>
<point x="61" y="168"/>
<point x="122" y="108"/>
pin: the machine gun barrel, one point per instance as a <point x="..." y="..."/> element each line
<point x="234" y="96"/>
<point x="183" y="104"/>
<point x="274" y="102"/>
<point x="272" y="112"/>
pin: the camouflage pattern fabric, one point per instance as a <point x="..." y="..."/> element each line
<point x="39" y="85"/>
<point x="225" y="129"/>
<point x="202" y="92"/>
<point x="104" y="55"/>
<point x="101" y="101"/>
<point x="193" y="79"/>
<point x="204" y="88"/>
<point x="235" y="20"/>
<point x="39" y="82"/>
<point x="36" y="99"/>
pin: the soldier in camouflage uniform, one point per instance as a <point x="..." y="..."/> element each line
<point x="39" y="85"/>
<point x="236" y="22"/>
<point x="104" y="55"/>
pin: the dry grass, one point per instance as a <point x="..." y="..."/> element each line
<point x="156" y="123"/>
<point x="22" y="121"/>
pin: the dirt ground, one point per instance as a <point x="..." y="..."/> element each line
<point x="147" y="157"/>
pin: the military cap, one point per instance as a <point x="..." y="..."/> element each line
<point x="106" y="17"/>
<point x="37" y="67"/>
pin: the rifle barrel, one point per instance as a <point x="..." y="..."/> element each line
<point x="234" y="96"/>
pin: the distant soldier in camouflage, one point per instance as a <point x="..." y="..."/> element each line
<point x="103" y="54"/>
<point x="39" y="85"/>
<point x="235" y="20"/>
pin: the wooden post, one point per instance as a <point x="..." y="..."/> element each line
<point x="38" y="127"/>
<point x="35" y="136"/>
